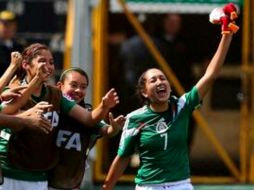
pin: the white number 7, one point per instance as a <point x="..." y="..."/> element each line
<point x="166" y="140"/>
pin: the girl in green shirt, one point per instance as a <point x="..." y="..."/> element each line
<point x="159" y="130"/>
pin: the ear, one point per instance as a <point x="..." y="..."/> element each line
<point x="143" y="92"/>
<point x="25" y="65"/>
<point x="59" y="84"/>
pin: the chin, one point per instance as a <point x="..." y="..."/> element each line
<point x="162" y="101"/>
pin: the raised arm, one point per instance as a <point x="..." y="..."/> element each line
<point x="13" y="106"/>
<point x="115" y="172"/>
<point x="16" y="59"/>
<point x="225" y="16"/>
<point x="212" y="71"/>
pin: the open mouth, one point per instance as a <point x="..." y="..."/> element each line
<point x="161" y="90"/>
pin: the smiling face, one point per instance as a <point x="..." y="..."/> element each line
<point x="46" y="57"/>
<point x="157" y="88"/>
<point x="35" y="55"/>
<point x="74" y="86"/>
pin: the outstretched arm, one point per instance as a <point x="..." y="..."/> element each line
<point x="110" y="100"/>
<point x="116" y="170"/>
<point x="212" y="71"/>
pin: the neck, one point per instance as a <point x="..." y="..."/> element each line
<point x="159" y="107"/>
<point x="37" y="91"/>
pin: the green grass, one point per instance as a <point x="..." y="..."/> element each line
<point x="224" y="187"/>
<point x="196" y="187"/>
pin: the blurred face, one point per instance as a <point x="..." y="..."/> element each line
<point x="172" y="24"/>
<point x="74" y="86"/>
<point x="157" y="88"/>
<point x="46" y="57"/>
<point x="8" y="29"/>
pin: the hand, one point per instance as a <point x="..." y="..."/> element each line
<point x="16" y="59"/>
<point x="116" y="123"/>
<point x="42" y="72"/>
<point x="35" y="119"/>
<point x="39" y="108"/>
<point x="12" y="93"/>
<point x="110" y="99"/>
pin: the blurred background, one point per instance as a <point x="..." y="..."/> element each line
<point x="115" y="40"/>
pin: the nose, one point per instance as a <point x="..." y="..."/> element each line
<point x="159" y="81"/>
<point x="78" y="89"/>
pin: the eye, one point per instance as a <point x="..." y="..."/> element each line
<point x="152" y="80"/>
<point x="83" y="87"/>
<point x="163" y="78"/>
<point x="42" y="60"/>
<point x="51" y="62"/>
<point x="73" y="85"/>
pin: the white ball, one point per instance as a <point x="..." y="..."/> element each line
<point x="215" y="15"/>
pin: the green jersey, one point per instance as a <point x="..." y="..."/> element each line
<point x="162" y="140"/>
<point x="9" y="170"/>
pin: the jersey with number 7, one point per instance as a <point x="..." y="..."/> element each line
<point x="160" y="139"/>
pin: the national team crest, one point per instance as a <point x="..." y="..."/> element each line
<point x="161" y="127"/>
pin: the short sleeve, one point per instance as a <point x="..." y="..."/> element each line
<point x="66" y="105"/>
<point x="189" y="100"/>
<point x="128" y="140"/>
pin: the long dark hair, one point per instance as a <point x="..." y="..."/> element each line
<point x="140" y="89"/>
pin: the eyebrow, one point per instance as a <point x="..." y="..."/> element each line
<point x="77" y="82"/>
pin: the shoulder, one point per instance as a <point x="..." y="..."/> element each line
<point x="138" y="112"/>
<point x="190" y="98"/>
<point x="136" y="116"/>
<point x="192" y="93"/>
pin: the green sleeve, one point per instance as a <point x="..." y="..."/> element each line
<point x="129" y="139"/>
<point x="192" y="99"/>
<point x="1" y="107"/>
<point x="66" y="105"/>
